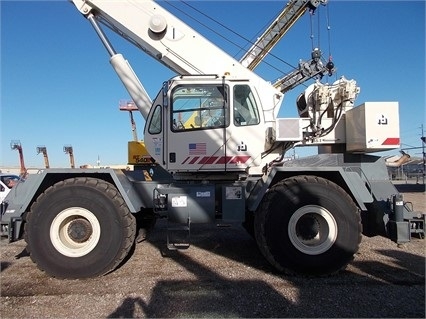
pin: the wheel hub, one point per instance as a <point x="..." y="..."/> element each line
<point x="80" y="230"/>
<point x="312" y="229"/>
<point x="75" y="232"/>
<point x="307" y="227"/>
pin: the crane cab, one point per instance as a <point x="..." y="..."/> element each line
<point x="206" y="124"/>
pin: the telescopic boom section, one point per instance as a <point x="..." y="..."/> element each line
<point x="170" y="41"/>
<point x="285" y="20"/>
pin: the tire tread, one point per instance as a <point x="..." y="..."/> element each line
<point x="128" y="219"/>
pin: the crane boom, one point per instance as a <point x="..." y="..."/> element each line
<point x="306" y="70"/>
<point x="167" y="39"/>
<point x="285" y="20"/>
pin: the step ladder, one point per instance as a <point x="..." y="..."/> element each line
<point x="178" y="228"/>
<point x="178" y="235"/>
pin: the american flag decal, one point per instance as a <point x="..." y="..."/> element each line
<point x="197" y="148"/>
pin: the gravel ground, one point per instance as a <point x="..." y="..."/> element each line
<point x="221" y="275"/>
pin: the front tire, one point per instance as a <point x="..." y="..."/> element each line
<point x="308" y="225"/>
<point x="79" y="228"/>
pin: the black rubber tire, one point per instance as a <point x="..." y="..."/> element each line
<point x="325" y="209"/>
<point x="88" y="222"/>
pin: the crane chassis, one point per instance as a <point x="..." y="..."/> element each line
<point x="216" y="155"/>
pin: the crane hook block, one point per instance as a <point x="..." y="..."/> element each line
<point x="157" y="24"/>
<point x="330" y="67"/>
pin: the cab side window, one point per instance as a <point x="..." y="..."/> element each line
<point x="155" y="124"/>
<point x="245" y="107"/>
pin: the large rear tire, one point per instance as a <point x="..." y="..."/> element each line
<point x="79" y="228"/>
<point x="308" y="225"/>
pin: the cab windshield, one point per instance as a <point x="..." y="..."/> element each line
<point x="198" y="107"/>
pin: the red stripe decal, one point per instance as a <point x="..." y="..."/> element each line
<point x="194" y="160"/>
<point x="208" y="160"/>
<point x="224" y="159"/>
<point x="216" y="160"/>
<point x="391" y="141"/>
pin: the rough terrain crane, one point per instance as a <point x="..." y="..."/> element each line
<point x="225" y="165"/>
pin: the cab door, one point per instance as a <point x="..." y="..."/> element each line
<point x="214" y="127"/>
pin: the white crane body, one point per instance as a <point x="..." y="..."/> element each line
<point x="216" y="151"/>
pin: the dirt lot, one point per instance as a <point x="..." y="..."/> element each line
<point x="221" y="275"/>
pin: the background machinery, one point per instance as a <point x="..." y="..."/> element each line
<point x="43" y="150"/>
<point x="216" y="155"/>
<point x="16" y="145"/>
<point x="130" y="106"/>
<point x="137" y="152"/>
<point x="68" y="150"/>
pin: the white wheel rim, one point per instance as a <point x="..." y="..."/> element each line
<point x="65" y="222"/>
<point x="318" y="241"/>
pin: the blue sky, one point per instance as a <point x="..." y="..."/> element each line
<point x="58" y="88"/>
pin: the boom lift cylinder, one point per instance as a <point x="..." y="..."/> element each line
<point x="132" y="84"/>
<point x="125" y="72"/>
